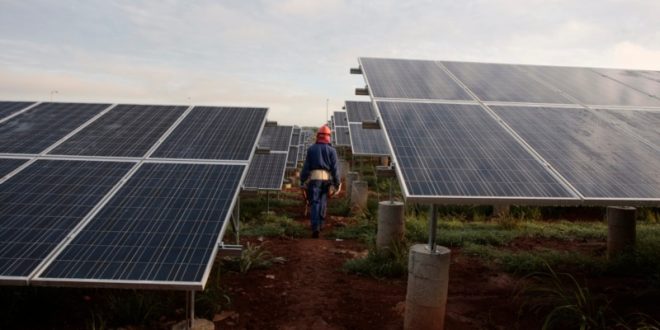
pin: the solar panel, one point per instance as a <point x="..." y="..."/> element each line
<point x="342" y="136"/>
<point x="359" y="111"/>
<point x="35" y="130"/>
<point x="124" y="131"/>
<point x="410" y="79"/>
<point x="7" y="165"/>
<point x="634" y="79"/>
<point x="458" y="153"/>
<point x="643" y="123"/>
<point x="9" y="107"/>
<point x="591" y="88"/>
<point x="214" y="133"/>
<point x="597" y="158"/>
<point x="160" y="229"/>
<point x="40" y="205"/>
<point x="266" y="171"/>
<point x="276" y="137"/>
<point x="504" y="83"/>
<point x="292" y="159"/>
<point x="340" y="118"/>
<point x="368" y="142"/>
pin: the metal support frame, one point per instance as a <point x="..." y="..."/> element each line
<point x="190" y="308"/>
<point x="433" y="227"/>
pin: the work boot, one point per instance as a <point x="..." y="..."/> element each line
<point x="315" y="234"/>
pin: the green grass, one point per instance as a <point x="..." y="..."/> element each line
<point x="269" y="225"/>
<point x="389" y="263"/>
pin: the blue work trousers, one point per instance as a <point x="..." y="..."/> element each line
<point x="317" y="193"/>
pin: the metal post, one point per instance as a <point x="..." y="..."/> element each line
<point x="433" y="227"/>
<point x="238" y="220"/>
<point x="391" y="195"/>
<point x="191" y="309"/>
<point x="267" y="202"/>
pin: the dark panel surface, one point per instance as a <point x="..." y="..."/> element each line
<point x="292" y="159"/>
<point x="368" y="141"/>
<point x="276" y="137"/>
<point x="644" y="123"/>
<point x="342" y="136"/>
<point x="266" y="171"/>
<point x="456" y="150"/>
<point x="358" y="112"/>
<point x="410" y="79"/>
<point x="591" y="88"/>
<point x="340" y="118"/>
<point x="162" y="225"/>
<point x="8" y="165"/>
<point x="41" y="204"/>
<point x="214" y="133"/>
<point x="125" y="131"/>
<point x="635" y="79"/>
<point x="9" y="107"/>
<point x="598" y="159"/>
<point x="38" y="128"/>
<point x="505" y="83"/>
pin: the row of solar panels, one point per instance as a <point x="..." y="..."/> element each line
<point x="488" y="133"/>
<point x="119" y="195"/>
<point x="363" y="141"/>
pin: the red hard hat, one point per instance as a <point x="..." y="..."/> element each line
<point x="324" y="130"/>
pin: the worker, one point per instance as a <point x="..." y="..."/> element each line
<point x="319" y="179"/>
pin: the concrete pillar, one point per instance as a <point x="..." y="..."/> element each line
<point x="428" y="281"/>
<point x="344" y="168"/>
<point x="620" y="230"/>
<point x="390" y="224"/>
<point x="359" y="196"/>
<point x="385" y="161"/>
<point x="350" y="177"/>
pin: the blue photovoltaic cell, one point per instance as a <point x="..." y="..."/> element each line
<point x="214" y="133"/>
<point x="358" y="112"/>
<point x="634" y="79"/>
<point x="7" y="165"/>
<point x="457" y="151"/>
<point x="292" y="159"/>
<point x="40" y="205"/>
<point x="368" y="142"/>
<point x="162" y="226"/>
<point x="410" y="79"/>
<point x="125" y="131"/>
<point x="266" y="171"/>
<point x="340" y="118"/>
<point x="9" y="107"/>
<point x="644" y="123"/>
<point x="35" y="130"/>
<point x="591" y="88"/>
<point x="597" y="158"/>
<point x="504" y="83"/>
<point x="342" y="136"/>
<point x="276" y="138"/>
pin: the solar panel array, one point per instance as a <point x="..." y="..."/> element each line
<point x="84" y="202"/>
<point x="8" y="108"/>
<point x="266" y="171"/>
<point x="365" y="142"/>
<point x="487" y="133"/>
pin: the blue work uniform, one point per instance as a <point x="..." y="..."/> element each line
<point x="320" y="156"/>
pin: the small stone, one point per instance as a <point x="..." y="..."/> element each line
<point x="270" y="277"/>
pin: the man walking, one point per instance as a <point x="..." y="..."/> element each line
<point x="321" y="170"/>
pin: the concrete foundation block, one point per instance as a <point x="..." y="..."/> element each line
<point x="621" y="230"/>
<point x="198" y="324"/>
<point x="359" y="196"/>
<point x="428" y="281"/>
<point x="350" y="177"/>
<point x="391" y="226"/>
<point x="344" y="168"/>
<point x="385" y="161"/>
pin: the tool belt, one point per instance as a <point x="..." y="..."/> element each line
<point x="320" y="175"/>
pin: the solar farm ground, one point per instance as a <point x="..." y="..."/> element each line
<point x="286" y="280"/>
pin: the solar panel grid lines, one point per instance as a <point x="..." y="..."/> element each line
<point x="10" y="108"/>
<point x="342" y="136"/>
<point x="359" y="111"/>
<point x="292" y="159"/>
<point x="42" y="204"/>
<point x="409" y="79"/>
<point x="340" y="118"/>
<point x="367" y="142"/>
<point x="426" y="140"/>
<point x="8" y="165"/>
<point x="591" y="153"/>
<point x="126" y="131"/>
<point x="165" y="240"/>
<point x="37" y="129"/>
<point x="632" y="78"/>
<point x="276" y="138"/>
<point x="214" y="133"/>
<point x="641" y="123"/>
<point x="266" y="171"/>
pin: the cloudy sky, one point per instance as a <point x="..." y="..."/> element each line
<point x="292" y="55"/>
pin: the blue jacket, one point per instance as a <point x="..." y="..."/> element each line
<point x="321" y="156"/>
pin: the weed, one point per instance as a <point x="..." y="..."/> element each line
<point x="387" y="263"/>
<point x="252" y="257"/>
<point x="271" y="225"/>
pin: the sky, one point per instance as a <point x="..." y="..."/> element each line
<point x="294" y="56"/>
